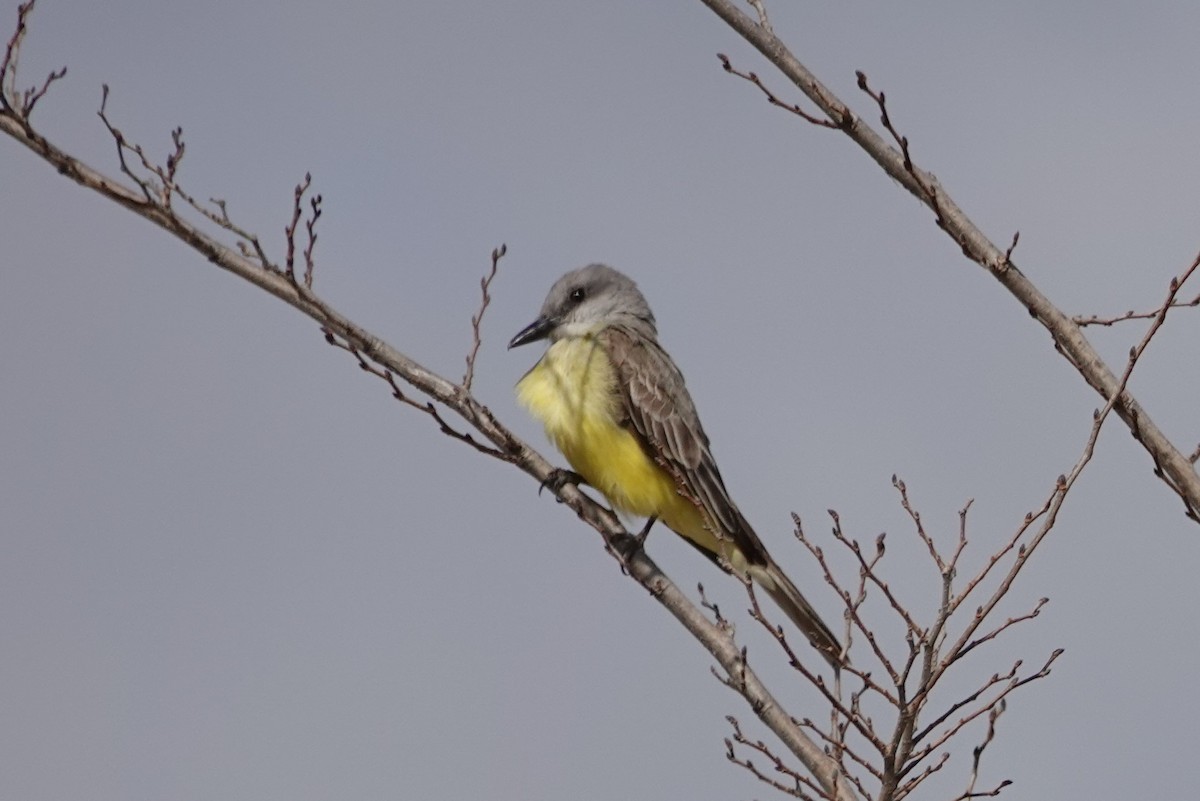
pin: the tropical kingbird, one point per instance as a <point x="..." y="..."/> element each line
<point x="615" y="404"/>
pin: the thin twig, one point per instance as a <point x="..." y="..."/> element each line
<point x="400" y="395"/>
<point x="1095" y="319"/>
<point x="915" y="516"/>
<point x="911" y="784"/>
<point x="1013" y="684"/>
<point x="485" y="284"/>
<point x="289" y="231"/>
<point x="13" y="100"/>
<point x="310" y="226"/>
<point x="1011" y="248"/>
<point x="977" y="753"/>
<point x="119" y="138"/>
<point x="1007" y="624"/>
<point x="817" y="680"/>
<point x="800" y="786"/>
<point x="868" y="572"/>
<point x="771" y="96"/>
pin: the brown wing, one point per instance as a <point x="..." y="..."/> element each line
<point x="660" y="410"/>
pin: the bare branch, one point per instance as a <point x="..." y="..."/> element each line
<point x="830" y="578"/>
<point x="20" y="103"/>
<point x="977" y="753"/>
<point x="310" y="226"/>
<point x="485" y="284"/>
<point x="1171" y="303"/>
<point x="1007" y="624"/>
<point x="1048" y="514"/>
<point x="771" y="96"/>
<point x="1177" y="471"/>
<point x="1008" y="253"/>
<point x="1095" y="319"/>
<point x="992" y="793"/>
<point x="885" y="119"/>
<point x="149" y="193"/>
<point x="867" y="573"/>
<point x="908" y="751"/>
<point x="831" y="694"/>
<point x="907" y="788"/>
<point x="764" y="21"/>
<point x="798" y="785"/>
<point x="151" y="201"/>
<point x="289" y="230"/>
<point x="399" y="394"/>
<point x="837" y="743"/>
<point x="1014" y="683"/>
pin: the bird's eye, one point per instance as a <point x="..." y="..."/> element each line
<point x="578" y="294"/>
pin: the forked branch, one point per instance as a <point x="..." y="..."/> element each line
<point x="150" y="193"/>
<point x="895" y="158"/>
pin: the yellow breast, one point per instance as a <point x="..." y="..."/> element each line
<point x="573" y="392"/>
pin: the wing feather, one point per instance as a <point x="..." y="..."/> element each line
<point x="659" y="409"/>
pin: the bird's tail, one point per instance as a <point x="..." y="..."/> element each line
<point x="793" y="603"/>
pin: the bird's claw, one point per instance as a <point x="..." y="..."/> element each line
<point x="558" y="479"/>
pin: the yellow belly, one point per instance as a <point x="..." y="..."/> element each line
<point x="572" y="391"/>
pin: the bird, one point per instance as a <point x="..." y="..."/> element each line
<point x="615" y="405"/>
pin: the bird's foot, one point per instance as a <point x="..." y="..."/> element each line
<point x="558" y="479"/>
<point x="645" y="532"/>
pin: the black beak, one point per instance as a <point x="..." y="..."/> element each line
<point x="538" y="329"/>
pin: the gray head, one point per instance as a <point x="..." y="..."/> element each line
<point x="587" y="300"/>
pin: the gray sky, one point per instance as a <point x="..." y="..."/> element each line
<point x="233" y="568"/>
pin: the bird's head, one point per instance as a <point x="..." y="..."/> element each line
<point x="586" y="301"/>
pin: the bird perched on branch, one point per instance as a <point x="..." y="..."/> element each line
<point x="613" y="401"/>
